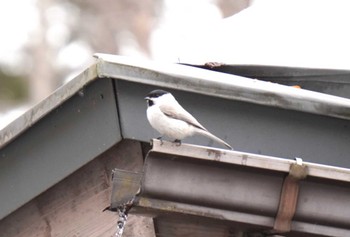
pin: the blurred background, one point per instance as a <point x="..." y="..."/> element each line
<point x="45" y="43"/>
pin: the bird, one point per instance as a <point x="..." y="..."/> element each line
<point x="170" y="119"/>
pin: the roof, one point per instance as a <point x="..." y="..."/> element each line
<point x="104" y="105"/>
<point x="187" y="79"/>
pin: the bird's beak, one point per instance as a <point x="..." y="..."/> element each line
<point x="146" y="98"/>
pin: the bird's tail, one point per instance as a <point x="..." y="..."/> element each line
<point x="213" y="137"/>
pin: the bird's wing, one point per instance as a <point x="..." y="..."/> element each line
<point x="181" y="114"/>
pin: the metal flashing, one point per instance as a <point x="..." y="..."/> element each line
<point x="222" y="85"/>
<point x="184" y="78"/>
<point x="45" y="106"/>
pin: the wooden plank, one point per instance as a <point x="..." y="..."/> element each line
<point x="73" y="207"/>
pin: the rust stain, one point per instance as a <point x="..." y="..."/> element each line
<point x="173" y="207"/>
<point x="244" y="160"/>
<point x="217" y="154"/>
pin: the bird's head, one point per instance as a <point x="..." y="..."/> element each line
<point x="156" y="97"/>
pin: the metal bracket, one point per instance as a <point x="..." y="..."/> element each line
<point x="126" y="185"/>
<point x="289" y="197"/>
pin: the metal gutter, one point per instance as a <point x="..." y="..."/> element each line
<point x="241" y="192"/>
<point x="251" y="160"/>
<point x="222" y="85"/>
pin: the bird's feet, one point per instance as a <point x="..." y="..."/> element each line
<point x="177" y="142"/>
<point x="160" y="139"/>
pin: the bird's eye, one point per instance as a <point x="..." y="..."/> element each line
<point x="150" y="102"/>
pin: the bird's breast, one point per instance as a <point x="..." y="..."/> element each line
<point x="165" y="125"/>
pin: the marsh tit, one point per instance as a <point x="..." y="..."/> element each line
<point x="168" y="117"/>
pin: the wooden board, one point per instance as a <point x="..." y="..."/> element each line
<point x="73" y="207"/>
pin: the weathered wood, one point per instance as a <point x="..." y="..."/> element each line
<point x="73" y="207"/>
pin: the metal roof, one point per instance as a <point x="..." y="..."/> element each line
<point x="333" y="82"/>
<point x="223" y="85"/>
<point x="187" y="79"/>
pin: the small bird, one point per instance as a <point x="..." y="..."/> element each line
<point x="168" y="117"/>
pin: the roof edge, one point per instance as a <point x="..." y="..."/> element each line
<point x="38" y="111"/>
<point x="232" y="87"/>
<point x="186" y="78"/>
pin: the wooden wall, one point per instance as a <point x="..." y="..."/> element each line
<point x="73" y="207"/>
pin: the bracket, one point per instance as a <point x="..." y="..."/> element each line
<point x="289" y="197"/>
